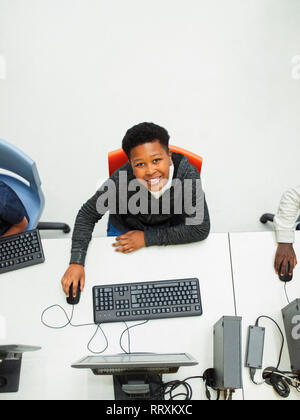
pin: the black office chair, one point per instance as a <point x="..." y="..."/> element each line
<point x="268" y="217"/>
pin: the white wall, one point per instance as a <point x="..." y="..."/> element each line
<point x="217" y="74"/>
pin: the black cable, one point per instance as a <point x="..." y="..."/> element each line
<point x="102" y="351"/>
<point x="66" y="315"/>
<point x="75" y="325"/>
<point x="282" y="337"/>
<point x="279" y="380"/>
<point x="128" y="337"/>
<point x="286" y="292"/>
<point x="252" y="372"/>
<point x="168" y="389"/>
<point x="127" y="329"/>
<point x="98" y="326"/>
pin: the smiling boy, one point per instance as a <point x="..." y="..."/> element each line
<point x="162" y="197"/>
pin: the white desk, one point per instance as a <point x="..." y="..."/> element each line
<point x="26" y="293"/>
<point x="259" y="291"/>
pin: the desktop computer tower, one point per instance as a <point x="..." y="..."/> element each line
<point x="291" y="320"/>
<point x="228" y="353"/>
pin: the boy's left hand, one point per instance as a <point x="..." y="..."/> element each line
<point x="130" y="241"/>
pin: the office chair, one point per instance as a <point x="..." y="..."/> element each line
<point x="118" y="157"/>
<point x="20" y="174"/>
<point x="268" y="217"/>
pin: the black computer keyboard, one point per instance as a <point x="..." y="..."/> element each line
<point x="147" y="300"/>
<point x="21" y="250"/>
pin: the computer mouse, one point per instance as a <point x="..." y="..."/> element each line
<point x="71" y="300"/>
<point x="286" y="277"/>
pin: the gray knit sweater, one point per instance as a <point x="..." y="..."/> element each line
<point x="179" y="216"/>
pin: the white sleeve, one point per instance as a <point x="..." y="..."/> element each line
<point x="285" y="219"/>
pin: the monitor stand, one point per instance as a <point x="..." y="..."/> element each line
<point x="10" y="374"/>
<point x="137" y="387"/>
<point x="10" y="366"/>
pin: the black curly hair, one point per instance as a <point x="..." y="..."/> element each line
<point x="143" y="133"/>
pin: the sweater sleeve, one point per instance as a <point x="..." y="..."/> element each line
<point x="285" y="219"/>
<point x="85" y="222"/>
<point x="90" y="213"/>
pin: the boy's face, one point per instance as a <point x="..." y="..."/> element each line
<point x="150" y="164"/>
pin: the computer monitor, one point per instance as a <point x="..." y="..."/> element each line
<point x="10" y="365"/>
<point x="137" y="376"/>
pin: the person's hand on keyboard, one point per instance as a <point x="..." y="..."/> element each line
<point x="75" y="274"/>
<point x="130" y="241"/>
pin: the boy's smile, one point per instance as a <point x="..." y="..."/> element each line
<point x="150" y="164"/>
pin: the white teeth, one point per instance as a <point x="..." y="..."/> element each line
<point x="153" y="181"/>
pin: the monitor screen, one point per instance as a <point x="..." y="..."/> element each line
<point x="134" y="361"/>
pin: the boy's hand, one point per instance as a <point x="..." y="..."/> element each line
<point x="75" y="274"/>
<point x="285" y="253"/>
<point x="130" y="241"/>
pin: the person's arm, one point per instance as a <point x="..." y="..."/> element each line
<point x="285" y="219"/>
<point x="284" y="223"/>
<point x="17" y="228"/>
<point x="85" y="222"/>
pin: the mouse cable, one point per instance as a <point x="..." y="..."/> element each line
<point x="58" y="327"/>
<point x="287" y="298"/>
<point x="69" y="319"/>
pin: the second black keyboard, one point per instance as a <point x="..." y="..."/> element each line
<point x="20" y="250"/>
<point x="147" y="300"/>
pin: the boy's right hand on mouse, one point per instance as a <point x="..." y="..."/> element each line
<point x="75" y="274"/>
